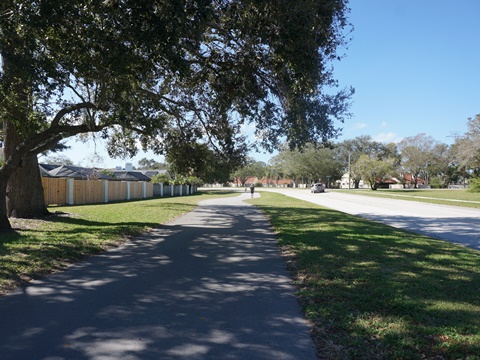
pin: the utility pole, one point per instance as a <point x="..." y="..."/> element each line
<point x="349" y="170"/>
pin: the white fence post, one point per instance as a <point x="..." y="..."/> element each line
<point x="128" y="190"/>
<point x="105" y="191"/>
<point x="70" y="191"/>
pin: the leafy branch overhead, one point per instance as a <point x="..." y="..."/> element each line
<point x="197" y="67"/>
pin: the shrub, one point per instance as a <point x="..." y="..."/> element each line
<point x="474" y="184"/>
<point x="193" y="180"/>
<point x="160" y="179"/>
<point x="437" y="182"/>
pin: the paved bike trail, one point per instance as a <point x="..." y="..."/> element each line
<point x="209" y="285"/>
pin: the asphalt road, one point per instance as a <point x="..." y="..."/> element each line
<point x="451" y="223"/>
<point x="209" y="285"/>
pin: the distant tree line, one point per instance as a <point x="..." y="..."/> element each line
<point x="414" y="159"/>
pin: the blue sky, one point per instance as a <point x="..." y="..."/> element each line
<point x="415" y="67"/>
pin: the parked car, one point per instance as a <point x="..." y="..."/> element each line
<point x="317" y="188"/>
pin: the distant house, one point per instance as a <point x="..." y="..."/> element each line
<point x="126" y="175"/>
<point x="392" y="183"/>
<point x="139" y="175"/>
<point x="273" y="182"/>
<point x="75" y="172"/>
<point x="252" y="180"/>
<point x="81" y="173"/>
<point x="284" y="183"/>
<point x="151" y="173"/>
<point x="269" y="182"/>
<point x="408" y="182"/>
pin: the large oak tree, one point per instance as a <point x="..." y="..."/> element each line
<point x="162" y="73"/>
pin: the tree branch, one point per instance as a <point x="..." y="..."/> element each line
<point x="69" y="109"/>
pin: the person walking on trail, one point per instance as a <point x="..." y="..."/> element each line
<point x="252" y="189"/>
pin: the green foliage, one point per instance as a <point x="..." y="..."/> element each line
<point x="312" y="163"/>
<point x="155" y="72"/>
<point x="373" y="170"/>
<point x="437" y="182"/>
<point x="467" y="147"/>
<point x="192" y="180"/>
<point x="474" y="185"/>
<point x="177" y="77"/>
<point x="422" y="156"/>
<point x="250" y="170"/>
<point x="160" y="179"/>
<point x="57" y="160"/>
<point x="179" y="180"/>
<point x="108" y="173"/>
<point x="151" y="164"/>
<point x="191" y="158"/>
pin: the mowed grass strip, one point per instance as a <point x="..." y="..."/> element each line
<point x="40" y="247"/>
<point x="375" y="292"/>
<point x="461" y="198"/>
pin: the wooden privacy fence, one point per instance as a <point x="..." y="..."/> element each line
<point x="58" y="191"/>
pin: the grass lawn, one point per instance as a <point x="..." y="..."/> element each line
<point x="371" y="291"/>
<point x="443" y="197"/>
<point x="376" y="292"/>
<point x="39" y="247"/>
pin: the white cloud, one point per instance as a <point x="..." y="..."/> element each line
<point x="358" y="126"/>
<point x="386" y="137"/>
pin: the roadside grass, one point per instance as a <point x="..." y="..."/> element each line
<point x="42" y="246"/>
<point x="461" y="198"/>
<point x="375" y="292"/>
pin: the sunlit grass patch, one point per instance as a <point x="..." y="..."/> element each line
<point x="375" y="292"/>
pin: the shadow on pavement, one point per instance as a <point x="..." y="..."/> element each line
<point x="210" y="285"/>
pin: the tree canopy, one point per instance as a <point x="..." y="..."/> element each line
<point x="467" y="146"/>
<point x="373" y="171"/>
<point x="312" y="164"/>
<point x="417" y="154"/>
<point x="352" y="149"/>
<point x="250" y="169"/>
<point x="151" y="164"/>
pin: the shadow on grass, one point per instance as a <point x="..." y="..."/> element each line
<point x="379" y="293"/>
<point x="41" y="246"/>
<point x="33" y="253"/>
<point x="209" y="287"/>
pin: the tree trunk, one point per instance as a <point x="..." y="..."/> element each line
<point x="4" y="223"/>
<point x="25" y="197"/>
<point x="24" y="189"/>
<point x="21" y="191"/>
